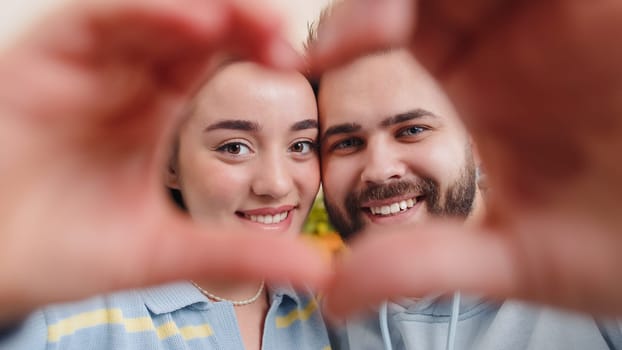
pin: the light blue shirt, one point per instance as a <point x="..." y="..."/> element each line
<point x="173" y="316"/>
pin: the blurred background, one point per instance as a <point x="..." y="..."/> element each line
<point x="16" y="16"/>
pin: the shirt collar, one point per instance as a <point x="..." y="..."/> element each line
<point x="172" y="297"/>
<point x="284" y="291"/>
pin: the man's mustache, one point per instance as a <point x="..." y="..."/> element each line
<point x="379" y="192"/>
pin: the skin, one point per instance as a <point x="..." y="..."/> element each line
<point x="265" y="164"/>
<point x="539" y="92"/>
<point x="87" y="113"/>
<point x="539" y="86"/>
<point x="429" y="143"/>
<point x="434" y="145"/>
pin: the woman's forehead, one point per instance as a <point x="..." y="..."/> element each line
<point x="247" y="91"/>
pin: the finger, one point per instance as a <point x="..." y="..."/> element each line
<point x="130" y="23"/>
<point x="117" y="46"/>
<point x="445" y="30"/>
<point x="262" y="38"/>
<point x="436" y="259"/>
<point x="181" y="39"/>
<point x="355" y="27"/>
<point x="186" y="251"/>
<point x="569" y="261"/>
<point x="449" y="30"/>
<point x="156" y="27"/>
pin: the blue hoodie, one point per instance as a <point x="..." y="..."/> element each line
<point x="481" y="325"/>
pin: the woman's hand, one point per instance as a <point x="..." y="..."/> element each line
<point x="89" y="100"/>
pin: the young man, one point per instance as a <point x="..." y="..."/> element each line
<point x="395" y="154"/>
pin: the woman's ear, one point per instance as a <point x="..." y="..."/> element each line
<point x="171" y="176"/>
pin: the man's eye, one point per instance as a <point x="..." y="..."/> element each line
<point x="411" y="131"/>
<point x="235" y="148"/>
<point x="348" y="144"/>
<point x="303" y="147"/>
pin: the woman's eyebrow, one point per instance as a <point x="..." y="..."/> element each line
<point x="304" y="124"/>
<point x="232" y="124"/>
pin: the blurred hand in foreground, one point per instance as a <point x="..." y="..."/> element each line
<point x="88" y="105"/>
<point x="539" y="85"/>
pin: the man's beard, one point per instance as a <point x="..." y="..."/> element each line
<point x="458" y="199"/>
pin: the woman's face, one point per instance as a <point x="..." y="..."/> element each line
<point x="247" y="158"/>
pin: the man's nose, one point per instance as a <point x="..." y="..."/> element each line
<point x="272" y="178"/>
<point x="383" y="162"/>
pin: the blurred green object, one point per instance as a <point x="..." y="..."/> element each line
<point x="317" y="223"/>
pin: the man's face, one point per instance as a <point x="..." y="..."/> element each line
<point x="392" y="147"/>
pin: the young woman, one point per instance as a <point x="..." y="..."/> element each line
<point x="245" y="161"/>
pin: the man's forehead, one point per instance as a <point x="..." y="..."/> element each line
<point x="376" y="87"/>
<point x="364" y="75"/>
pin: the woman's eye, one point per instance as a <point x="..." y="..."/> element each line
<point x="412" y="131"/>
<point x="302" y="147"/>
<point x="235" y="148"/>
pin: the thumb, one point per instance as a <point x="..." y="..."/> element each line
<point x="436" y="258"/>
<point x="186" y="251"/>
<point x="351" y="28"/>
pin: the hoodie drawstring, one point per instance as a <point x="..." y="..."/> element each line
<point x="384" y="326"/>
<point x="453" y="322"/>
<point x="451" y="332"/>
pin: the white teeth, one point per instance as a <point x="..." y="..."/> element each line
<point x="276" y="219"/>
<point x="393" y="208"/>
<point x="268" y="219"/>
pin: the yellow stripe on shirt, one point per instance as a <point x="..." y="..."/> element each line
<point x="170" y="329"/>
<point x="139" y="324"/>
<point x="71" y="325"/>
<point x="192" y="332"/>
<point x="167" y="330"/>
<point x="297" y="314"/>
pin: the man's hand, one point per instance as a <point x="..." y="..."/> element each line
<point x="539" y="84"/>
<point x="88" y="104"/>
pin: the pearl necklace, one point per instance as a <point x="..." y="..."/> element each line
<point x="234" y="302"/>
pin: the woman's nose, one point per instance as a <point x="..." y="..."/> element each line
<point x="273" y="179"/>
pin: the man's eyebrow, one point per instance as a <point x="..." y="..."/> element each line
<point x="242" y="125"/>
<point x="344" y="128"/>
<point x="304" y="125"/>
<point x="403" y="117"/>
